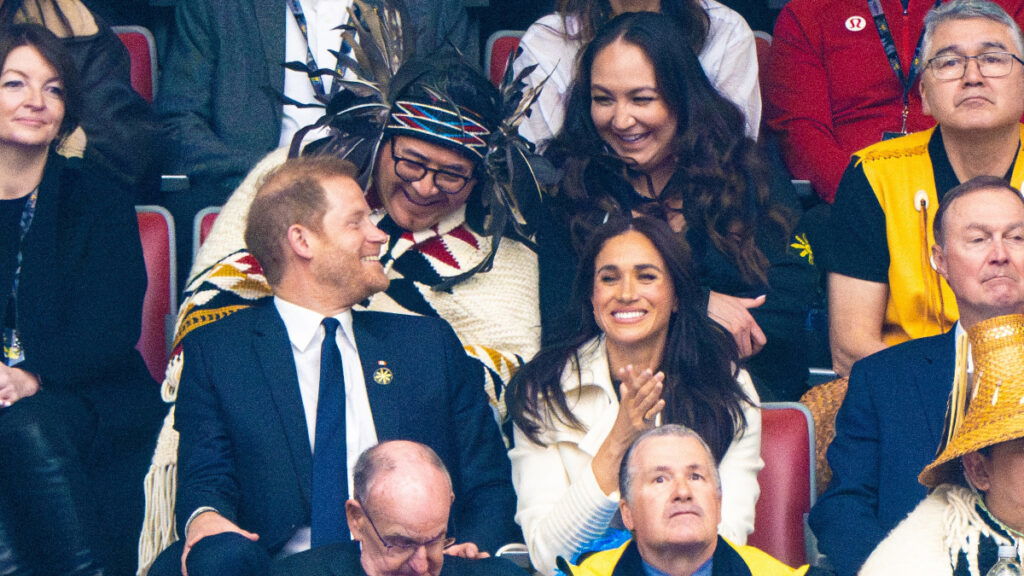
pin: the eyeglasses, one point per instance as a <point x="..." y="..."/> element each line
<point x="401" y="547"/>
<point x="411" y="171"/>
<point x="990" y="64"/>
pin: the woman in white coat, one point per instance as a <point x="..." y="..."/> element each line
<point x="642" y="353"/>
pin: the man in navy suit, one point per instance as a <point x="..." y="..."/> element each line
<point x="252" y="410"/>
<point x="890" y="423"/>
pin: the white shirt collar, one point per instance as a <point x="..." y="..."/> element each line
<point x="303" y="324"/>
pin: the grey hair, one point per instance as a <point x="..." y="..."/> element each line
<point x="377" y="461"/>
<point x="966" y="10"/>
<point x="627" y="471"/>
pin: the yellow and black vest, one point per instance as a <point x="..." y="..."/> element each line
<point x="901" y="175"/>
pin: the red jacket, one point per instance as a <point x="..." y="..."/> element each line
<point x="829" y="89"/>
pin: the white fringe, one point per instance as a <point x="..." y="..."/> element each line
<point x="158" y="529"/>
<point x="964" y="527"/>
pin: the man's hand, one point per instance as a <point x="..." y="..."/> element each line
<point x="208" y="524"/>
<point x="466" y="550"/>
<point x="733" y="315"/>
<point x="16" y="384"/>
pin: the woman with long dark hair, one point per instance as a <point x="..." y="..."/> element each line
<point x="646" y="133"/>
<point x="72" y="281"/>
<point x="718" y="35"/>
<point x="643" y="354"/>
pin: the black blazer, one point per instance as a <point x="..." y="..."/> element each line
<point x="244" y="446"/>
<point x="81" y="290"/>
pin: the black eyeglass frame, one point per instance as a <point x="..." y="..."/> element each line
<point x="424" y="170"/>
<point x="405" y="549"/>
<point x="967" y="60"/>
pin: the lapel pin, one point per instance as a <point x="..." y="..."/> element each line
<point x="383" y="375"/>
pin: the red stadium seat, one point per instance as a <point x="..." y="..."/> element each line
<point x="142" y="53"/>
<point x="156" y="228"/>
<point x="787" y="482"/>
<point x="201" y="227"/>
<point x="499" y="46"/>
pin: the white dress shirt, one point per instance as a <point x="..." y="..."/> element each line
<point x="322" y="17"/>
<point x="306" y="334"/>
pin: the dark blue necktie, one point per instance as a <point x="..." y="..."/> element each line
<point x="330" y="467"/>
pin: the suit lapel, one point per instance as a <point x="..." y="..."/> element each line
<point x="935" y="380"/>
<point x="270" y="16"/>
<point x="273" y="352"/>
<point x="384" y="398"/>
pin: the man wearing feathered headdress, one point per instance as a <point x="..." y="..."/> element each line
<point x="449" y="178"/>
<point x="221" y="78"/>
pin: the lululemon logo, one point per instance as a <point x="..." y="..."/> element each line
<point x="855" y="23"/>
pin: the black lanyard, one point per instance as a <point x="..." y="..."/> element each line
<point x="314" y="77"/>
<point x="906" y="80"/>
<point x="13" y="353"/>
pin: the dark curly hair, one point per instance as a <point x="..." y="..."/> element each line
<point x="720" y="179"/>
<point x="700" y="359"/>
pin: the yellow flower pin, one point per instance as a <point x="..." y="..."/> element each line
<point x="804" y="246"/>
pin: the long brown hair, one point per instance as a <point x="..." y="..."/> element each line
<point x="720" y="177"/>
<point x="699" y="362"/>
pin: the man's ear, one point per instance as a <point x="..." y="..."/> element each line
<point x="299" y="238"/>
<point x="976" y="468"/>
<point x="627" y="514"/>
<point x="353" y="513"/>
<point x="938" y="261"/>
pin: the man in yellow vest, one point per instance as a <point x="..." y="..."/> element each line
<point x="883" y="288"/>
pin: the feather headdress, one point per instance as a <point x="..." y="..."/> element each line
<point x="443" y="100"/>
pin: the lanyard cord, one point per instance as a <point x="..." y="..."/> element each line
<point x="13" y="354"/>
<point x="311" y="66"/>
<point x="889" y="45"/>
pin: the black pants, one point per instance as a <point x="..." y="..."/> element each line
<point x="46" y="516"/>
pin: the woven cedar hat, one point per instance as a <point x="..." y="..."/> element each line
<point x="995" y="411"/>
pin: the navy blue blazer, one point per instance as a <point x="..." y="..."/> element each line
<point x="887" y="430"/>
<point x="244" y="446"/>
